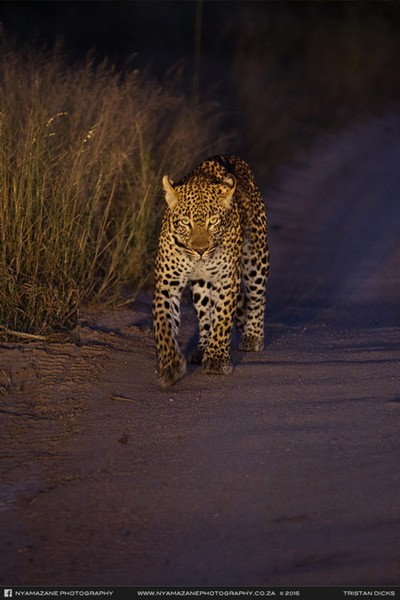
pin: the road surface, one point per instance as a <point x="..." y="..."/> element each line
<point x="284" y="473"/>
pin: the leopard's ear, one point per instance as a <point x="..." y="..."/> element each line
<point x="170" y="194"/>
<point x="228" y="188"/>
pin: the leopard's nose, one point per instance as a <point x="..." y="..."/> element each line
<point x="200" y="240"/>
<point x="200" y="249"/>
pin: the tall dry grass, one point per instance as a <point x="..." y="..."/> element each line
<point x="82" y="153"/>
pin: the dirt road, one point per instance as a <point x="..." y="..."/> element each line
<point x="285" y="472"/>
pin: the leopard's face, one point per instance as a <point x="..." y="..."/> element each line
<point x="199" y="215"/>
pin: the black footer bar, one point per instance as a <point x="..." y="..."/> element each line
<point x="201" y="593"/>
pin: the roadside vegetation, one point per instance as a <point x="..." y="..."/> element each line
<point x="83" y="149"/>
<point x="84" y="146"/>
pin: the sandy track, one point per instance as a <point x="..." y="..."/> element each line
<point x="285" y="472"/>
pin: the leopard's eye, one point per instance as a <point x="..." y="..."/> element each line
<point x="185" y="221"/>
<point x="214" y="220"/>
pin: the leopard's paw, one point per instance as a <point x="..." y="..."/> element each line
<point x="217" y="366"/>
<point x="251" y="343"/>
<point x="172" y="371"/>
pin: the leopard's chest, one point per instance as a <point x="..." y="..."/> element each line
<point x="215" y="267"/>
<point x="209" y="270"/>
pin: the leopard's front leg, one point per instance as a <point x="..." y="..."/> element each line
<point x="166" y="316"/>
<point x="216" y="358"/>
<point x="169" y="284"/>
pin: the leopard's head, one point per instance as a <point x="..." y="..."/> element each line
<point x="199" y="212"/>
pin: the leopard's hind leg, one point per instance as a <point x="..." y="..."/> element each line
<point x="251" y="306"/>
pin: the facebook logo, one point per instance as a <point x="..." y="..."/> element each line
<point x="7" y="593"/>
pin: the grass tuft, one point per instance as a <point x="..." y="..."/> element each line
<point x="82" y="153"/>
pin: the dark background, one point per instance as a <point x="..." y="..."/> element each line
<point x="286" y="69"/>
<point x="162" y="32"/>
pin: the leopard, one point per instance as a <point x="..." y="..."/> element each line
<point x="213" y="240"/>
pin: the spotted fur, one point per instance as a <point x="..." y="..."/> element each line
<point x="214" y="238"/>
